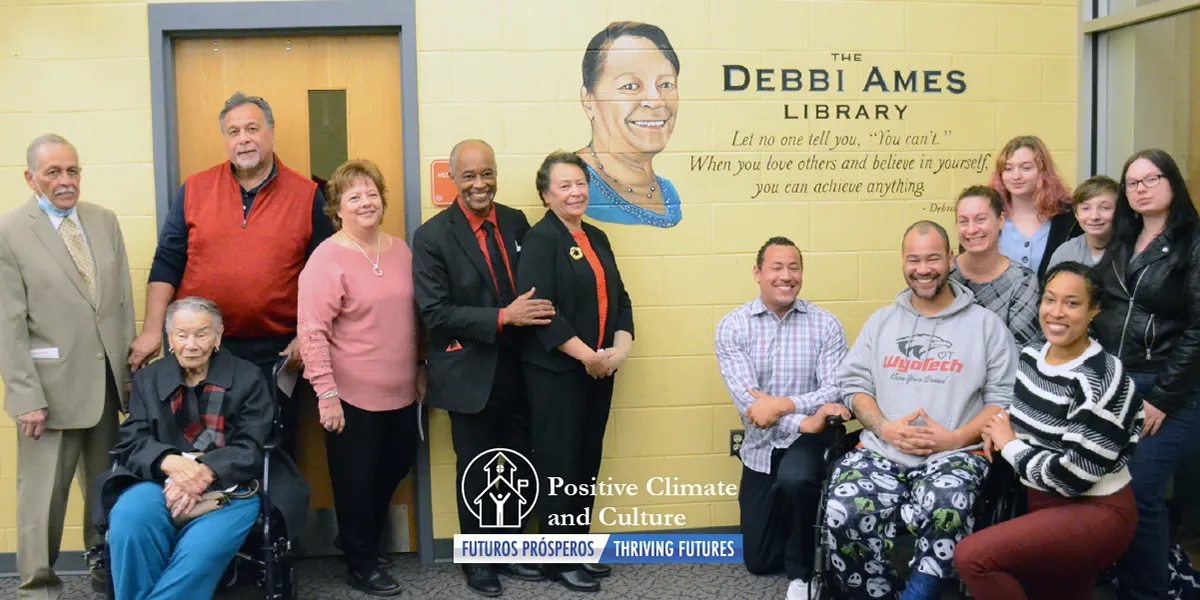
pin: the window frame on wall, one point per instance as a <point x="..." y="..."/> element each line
<point x="1094" y="22"/>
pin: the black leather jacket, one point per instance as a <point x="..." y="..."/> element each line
<point x="1150" y="313"/>
<point x="1063" y="227"/>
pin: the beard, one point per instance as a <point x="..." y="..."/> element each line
<point x="248" y="161"/>
<point x="939" y="284"/>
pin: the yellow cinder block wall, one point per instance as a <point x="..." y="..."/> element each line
<point x="508" y="71"/>
<point x="510" y="74"/>
<point x="82" y="71"/>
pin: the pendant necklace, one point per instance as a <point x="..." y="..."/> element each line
<point x="374" y="263"/>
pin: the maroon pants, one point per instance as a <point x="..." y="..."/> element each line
<point x="1055" y="551"/>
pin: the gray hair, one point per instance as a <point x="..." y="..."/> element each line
<point x="195" y="304"/>
<point x="240" y="99"/>
<point x="31" y="157"/>
<point x="454" y="152"/>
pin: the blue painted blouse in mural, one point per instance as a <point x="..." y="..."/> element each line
<point x="606" y="205"/>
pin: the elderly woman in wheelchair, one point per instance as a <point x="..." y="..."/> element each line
<point x="183" y="492"/>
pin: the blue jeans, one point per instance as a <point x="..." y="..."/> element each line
<point x="1142" y="572"/>
<point x="152" y="560"/>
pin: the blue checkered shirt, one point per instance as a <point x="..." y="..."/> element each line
<point x="796" y="356"/>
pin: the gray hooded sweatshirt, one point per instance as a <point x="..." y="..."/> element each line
<point x="952" y="364"/>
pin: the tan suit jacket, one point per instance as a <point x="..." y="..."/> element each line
<point x="44" y="304"/>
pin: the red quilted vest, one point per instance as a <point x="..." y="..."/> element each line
<point x="251" y="267"/>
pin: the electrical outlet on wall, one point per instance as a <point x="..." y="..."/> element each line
<point x="735" y="440"/>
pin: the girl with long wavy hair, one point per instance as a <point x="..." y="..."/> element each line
<point x="1037" y="203"/>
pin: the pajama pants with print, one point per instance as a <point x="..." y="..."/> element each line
<point x="868" y="493"/>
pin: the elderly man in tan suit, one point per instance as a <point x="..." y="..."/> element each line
<point x="66" y="321"/>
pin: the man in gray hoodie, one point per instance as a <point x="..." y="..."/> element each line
<point x="924" y="376"/>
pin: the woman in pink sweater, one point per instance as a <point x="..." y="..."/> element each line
<point x="358" y="337"/>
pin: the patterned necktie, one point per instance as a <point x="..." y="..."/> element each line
<point x="72" y="236"/>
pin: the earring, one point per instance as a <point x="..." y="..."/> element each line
<point x="171" y="350"/>
<point x="216" y="350"/>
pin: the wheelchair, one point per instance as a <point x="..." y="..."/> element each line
<point x="1001" y="498"/>
<point x="266" y="553"/>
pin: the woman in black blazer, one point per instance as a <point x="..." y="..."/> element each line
<point x="569" y="364"/>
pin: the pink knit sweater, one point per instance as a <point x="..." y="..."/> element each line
<point x="358" y="331"/>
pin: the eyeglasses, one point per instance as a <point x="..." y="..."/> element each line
<point x="1148" y="182"/>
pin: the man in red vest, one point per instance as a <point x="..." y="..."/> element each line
<point x="239" y="234"/>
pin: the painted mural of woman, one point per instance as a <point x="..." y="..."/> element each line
<point x="630" y="95"/>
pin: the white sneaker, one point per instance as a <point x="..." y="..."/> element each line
<point x="798" y="590"/>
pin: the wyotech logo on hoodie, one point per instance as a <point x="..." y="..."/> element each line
<point x="922" y="353"/>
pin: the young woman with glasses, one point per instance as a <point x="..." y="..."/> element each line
<point x="1149" y="286"/>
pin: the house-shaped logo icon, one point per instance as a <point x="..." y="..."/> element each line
<point x="510" y="490"/>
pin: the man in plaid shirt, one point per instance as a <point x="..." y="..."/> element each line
<point x="779" y="356"/>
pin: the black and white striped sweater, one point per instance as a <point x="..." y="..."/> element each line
<point x="1077" y="424"/>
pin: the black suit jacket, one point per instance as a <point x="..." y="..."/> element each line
<point x="570" y="284"/>
<point x="459" y="306"/>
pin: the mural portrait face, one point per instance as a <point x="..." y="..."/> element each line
<point x="635" y="99"/>
<point x="630" y="96"/>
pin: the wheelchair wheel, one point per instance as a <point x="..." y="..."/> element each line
<point x="283" y="579"/>
<point x="287" y="578"/>
<point x="824" y="586"/>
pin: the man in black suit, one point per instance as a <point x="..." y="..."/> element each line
<point x="464" y="272"/>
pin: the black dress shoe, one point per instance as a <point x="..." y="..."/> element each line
<point x="576" y="579"/>
<point x="597" y="570"/>
<point x="376" y="583"/>
<point x="520" y="571"/>
<point x="482" y="580"/>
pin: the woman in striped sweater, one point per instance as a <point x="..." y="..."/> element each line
<point x="1073" y="426"/>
